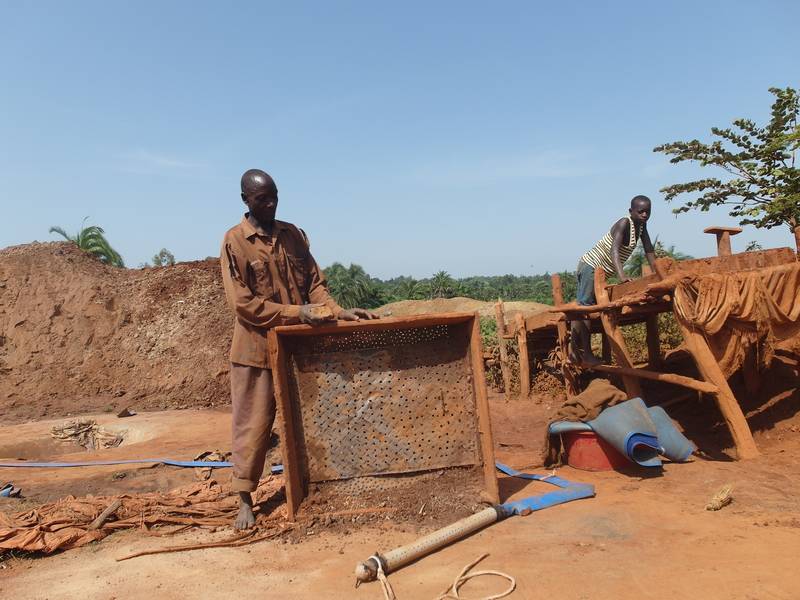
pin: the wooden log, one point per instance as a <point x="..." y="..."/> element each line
<point x="687" y="382"/>
<point x="105" y="515"/>
<point x="570" y="384"/>
<point x="606" y="348"/>
<point x="653" y="342"/>
<point x="729" y="407"/>
<point x="505" y="370"/>
<point x="524" y="361"/>
<point x="723" y="238"/>
<point x="614" y="335"/>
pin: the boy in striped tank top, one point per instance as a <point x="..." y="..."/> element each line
<point x="610" y="254"/>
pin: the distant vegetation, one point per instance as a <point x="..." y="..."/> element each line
<point x="92" y="239"/>
<point x="352" y="286"/>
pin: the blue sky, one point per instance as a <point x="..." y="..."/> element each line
<point x="479" y="138"/>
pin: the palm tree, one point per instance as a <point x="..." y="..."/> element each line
<point x="410" y="289"/>
<point x="441" y="285"/>
<point x="351" y="286"/>
<point x="92" y="239"/>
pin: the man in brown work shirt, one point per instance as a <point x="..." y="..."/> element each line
<point x="270" y="279"/>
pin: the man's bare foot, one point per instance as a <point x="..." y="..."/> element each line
<point x="245" y="519"/>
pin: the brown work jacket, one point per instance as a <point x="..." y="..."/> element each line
<point x="267" y="278"/>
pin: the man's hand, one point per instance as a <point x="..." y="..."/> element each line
<point x="315" y="314"/>
<point x="356" y="314"/>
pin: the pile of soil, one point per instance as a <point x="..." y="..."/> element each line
<point x="78" y="336"/>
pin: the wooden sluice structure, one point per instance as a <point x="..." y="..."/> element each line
<point x="641" y="301"/>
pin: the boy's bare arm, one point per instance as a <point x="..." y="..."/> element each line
<point x="619" y="237"/>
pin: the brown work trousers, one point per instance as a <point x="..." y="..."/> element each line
<point x="253" y="399"/>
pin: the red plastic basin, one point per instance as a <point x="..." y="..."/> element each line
<point x="586" y="451"/>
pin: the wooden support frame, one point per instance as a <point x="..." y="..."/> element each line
<point x="728" y="405"/>
<point x="618" y="347"/>
<point x="524" y="360"/>
<point x="505" y="370"/>
<point x="562" y="327"/>
<point x="653" y="342"/>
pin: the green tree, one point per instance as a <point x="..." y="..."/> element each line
<point x="352" y="287"/>
<point x="92" y="239"/>
<point x="164" y="258"/>
<point x="441" y="285"/>
<point x="763" y="184"/>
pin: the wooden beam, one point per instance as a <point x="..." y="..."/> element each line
<point x="674" y="270"/>
<point x="500" y="319"/>
<point x="687" y="382"/>
<point x="618" y="347"/>
<point x="570" y="384"/>
<point x="524" y="361"/>
<point x="728" y="405"/>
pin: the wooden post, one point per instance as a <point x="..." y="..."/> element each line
<point x="653" y="342"/>
<point x="751" y="374"/>
<point x="614" y="335"/>
<point x="723" y="238"/>
<point x="606" y="349"/>
<point x="563" y="339"/>
<point x="524" y="362"/>
<point x="711" y="372"/>
<point x="500" y="319"/>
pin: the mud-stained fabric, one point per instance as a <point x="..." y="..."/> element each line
<point x="253" y="400"/>
<point x="64" y="524"/>
<point x="598" y="395"/>
<point x="740" y="313"/>
<point x="267" y="276"/>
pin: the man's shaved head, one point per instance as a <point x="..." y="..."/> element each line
<point x="634" y="201"/>
<point x="257" y="181"/>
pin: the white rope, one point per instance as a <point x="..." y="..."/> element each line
<point x="451" y="593"/>
<point x="388" y="592"/>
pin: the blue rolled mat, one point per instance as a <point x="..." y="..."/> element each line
<point x="559" y="427"/>
<point x="629" y="428"/>
<point x="675" y="446"/>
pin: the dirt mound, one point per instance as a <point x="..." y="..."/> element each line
<point x="78" y="336"/>
<point x="443" y="305"/>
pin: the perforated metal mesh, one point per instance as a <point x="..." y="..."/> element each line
<point x="383" y="402"/>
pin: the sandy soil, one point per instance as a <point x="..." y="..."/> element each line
<point x="640" y="537"/>
<point x="442" y="305"/>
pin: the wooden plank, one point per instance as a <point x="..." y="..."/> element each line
<point x="491" y="490"/>
<point x="295" y="486"/>
<point x="687" y="382"/>
<point x="614" y="335"/>
<point x="500" y="319"/>
<point x="570" y="385"/>
<point x="524" y="361"/>
<point x="744" y="261"/>
<point x="729" y="407"/>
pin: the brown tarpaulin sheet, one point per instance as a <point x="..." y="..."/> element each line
<point x="743" y="312"/>
<point x="64" y="524"/>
